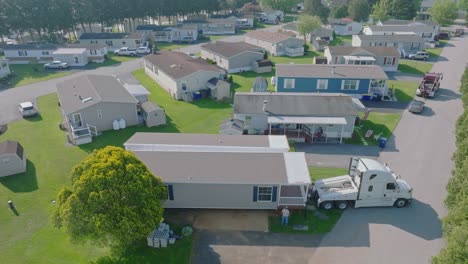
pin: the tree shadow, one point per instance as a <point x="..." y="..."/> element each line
<point x="444" y="94"/>
<point x="209" y="103"/>
<point x="36" y="118"/>
<point x="23" y="182"/>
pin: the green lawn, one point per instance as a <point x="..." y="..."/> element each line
<point x="243" y="82"/>
<point x="383" y="123"/>
<point x="31" y="73"/>
<point x="340" y="40"/>
<point x="170" y="46"/>
<point x="299" y="217"/>
<point x="404" y="91"/>
<point x="414" y="67"/>
<point x="435" y="52"/>
<point x="112" y="60"/>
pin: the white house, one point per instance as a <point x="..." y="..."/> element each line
<point x="427" y="32"/>
<point x="4" y="67"/>
<point x="96" y="52"/>
<point x="113" y="41"/>
<point x="346" y="26"/>
<point x="72" y="56"/>
<point x="179" y="74"/>
<point x="167" y="33"/>
<point x="28" y="53"/>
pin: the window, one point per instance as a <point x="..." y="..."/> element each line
<point x="45" y="52"/>
<point x="370" y="188"/>
<point x="349" y="85"/>
<point x="265" y="194"/>
<point x="389" y="61"/>
<point x="322" y="84"/>
<point x="248" y="120"/>
<point x="137" y="41"/>
<point x="109" y="43"/>
<point x="76" y="59"/>
<point x="372" y="176"/>
<point x="391" y="186"/>
<point x="426" y="35"/>
<point x="289" y="83"/>
<point x="93" y="41"/>
<point x="22" y="53"/>
<point x="93" y="52"/>
<point x="99" y="113"/>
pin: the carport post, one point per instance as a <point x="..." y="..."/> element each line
<point x="270" y="128"/>
<point x="326" y="134"/>
<point x="341" y="135"/>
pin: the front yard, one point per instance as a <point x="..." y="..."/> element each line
<point x="404" y="91"/>
<point x="414" y="67"/>
<point x="380" y="123"/>
<point x="32" y="73"/>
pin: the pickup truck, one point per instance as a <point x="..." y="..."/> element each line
<point x="368" y="184"/>
<point x="126" y="52"/>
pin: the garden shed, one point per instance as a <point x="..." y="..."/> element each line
<point x="153" y="114"/>
<point x="12" y="158"/>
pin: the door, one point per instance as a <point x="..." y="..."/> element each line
<point x="389" y="194"/>
<point x="76" y="120"/>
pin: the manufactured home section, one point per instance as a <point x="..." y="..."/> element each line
<point x="206" y="143"/>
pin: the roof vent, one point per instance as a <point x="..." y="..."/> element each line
<point x="265" y="102"/>
<point x="333" y="70"/>
<point x="173" y="65"/>
<point x="87" y="100"/>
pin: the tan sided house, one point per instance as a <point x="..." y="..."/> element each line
<point x="233" y="56"/>
<point x="179" y="74"/>
<point x="386" y="57"/>
<point x="12" y="158"/>
<point x="92" y="104"/>
<point x="113" y="41"/>
<point x="276" y="43"/>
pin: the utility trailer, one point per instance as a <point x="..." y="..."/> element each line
<point x="368" y="184"/>
<point x="429" y="84"/>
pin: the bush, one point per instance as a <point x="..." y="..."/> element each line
<point x="210" y="61"/>
<point x="306" y="48"/>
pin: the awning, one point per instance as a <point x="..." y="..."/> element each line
<point x="306" y="120"/>
<point x="360" y="58"/>
<point x="358" y="104"/>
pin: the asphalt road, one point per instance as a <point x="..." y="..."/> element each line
<point x="420" y="151"/>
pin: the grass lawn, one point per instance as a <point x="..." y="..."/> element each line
<point x="404" y="91"/>
<point x="243" y="82"/>
<point x="32" y="73"/>
<point x="414" y="67"/>
<point x="299" y="217"/>
<point x="435" y="52"/>
<point x="383" y="123"/>
<point x="170" y="46"/>
<point x="340" y="40"/>
<point x="112" y="60"/>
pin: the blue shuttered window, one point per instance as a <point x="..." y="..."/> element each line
<point x="273" y="197"/>
<point x="255" y="191"/>
<point x="170" y="192"/>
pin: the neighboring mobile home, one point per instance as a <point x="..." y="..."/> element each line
<point x="427" y="32"/>
<point x="233" y="56"/>
<point x="276" y="43"/>
<point x="323" y="32"/>
<point x="113" y="41"/>
<point x="354" y="80"/>
<point x="91" y="104"/>
<point x="179" y="74"/>
<point x="404" y="43"/>
<point x="72" y="56"/>
<point x="28" y="53"/>
<point x="386" y="57"/>
<point x="96" y="52"/>
<point x="297" y="115"/>
<point x="168" y="33"/>
<point x="346" y="26"/>
<point x="212" y="26"/>
<point x="12" y="158"/>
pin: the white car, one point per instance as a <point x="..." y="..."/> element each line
<point x="27" y="109"/>
<point x="56" y="65"/>
<point x="143" y="50"/>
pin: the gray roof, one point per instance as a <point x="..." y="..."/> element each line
<point x="149" y="107"/>
<point x="260" y="84"/>
<point x="211" y="167"/>
<point x="377" y="51"/>
<point x="110" y="35"/>
<point x="44" y="46"/>
<point x="427" y="3"/>
<point x="402" y="28"/>
<point x="392" y="38"/>
<point x="409" y="22"/>
<point x="155" y="27"/>
<point x="230" y="49"/>
<point x="87" y="46"/>
<point x="177" y="64"/>
<point x="273" y="37"/>
<point x="74" y="94"/>
<point x="295" y="104"/>
<point x="199" y="139"/>
<point x="9" y="147"/>
<point x="331" y="71"/>
<point x="322" y="31"/>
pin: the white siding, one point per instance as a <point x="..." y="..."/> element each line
<point x="166" y="82"/>
<point x="11" y="164"/>
<point x="35" y="55"/>
<point x="116" y="43"/>
<point x="72" y="59"/>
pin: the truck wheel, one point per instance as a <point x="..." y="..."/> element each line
<point x="327" y="205"/>
<point x="342" y="205"/>
<point x="401" y="203"/>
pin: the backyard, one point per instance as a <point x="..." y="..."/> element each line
<point x="382" y="124"/>
<point x="318" y="221"/>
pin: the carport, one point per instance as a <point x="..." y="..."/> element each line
<point x="305" y="126"/>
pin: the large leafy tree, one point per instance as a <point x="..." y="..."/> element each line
<point x="359" y="10"/>
<point x="114" y="200"/>
<point x="306" y="24"/>
<point x="283" y="5"/>
<point x="403" y="9"/>
<point x="444" y="12"/>
<point x="316" y="8"/>
<point x="339" y="11"/>
<point x="381" y="10"/>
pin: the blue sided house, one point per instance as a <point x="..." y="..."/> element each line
<point x="359" y="81"/>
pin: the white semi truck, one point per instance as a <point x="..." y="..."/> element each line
<point x="368" y="183"/>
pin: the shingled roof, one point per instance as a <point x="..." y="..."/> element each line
<point x="331" y="71"/>
<point x="378" y="51"/>
<point x="110" y="35"/>
<point x="273" y="37"/>
<point x="230" y="49"/>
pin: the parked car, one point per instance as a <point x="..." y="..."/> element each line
<point x="186" y="39"/>
<point x="56" y="65"/>
<point x="442" y="35"/>
<point x="431" y="44"/>
<point x="27" y="109"/>
<point x="416" y="107"/>
<point x="271" y="21"/>
<point x="125" y="52"/>
<point x="459" y="32"/>
<point x="420" y="55"/>
<point x="143" y="50"/>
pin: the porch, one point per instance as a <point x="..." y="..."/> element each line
<point x="378" y="87"/>
<point x="81" y="134"/>
<point x="359" y="60"/>
<point x="292" y="195"/>
<point x="308" y="129"/>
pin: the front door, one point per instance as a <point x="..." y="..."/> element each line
<point x="76" y="120"/>
<point x="389" y="194"/>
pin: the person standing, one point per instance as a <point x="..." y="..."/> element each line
<point x="284" y="216"/>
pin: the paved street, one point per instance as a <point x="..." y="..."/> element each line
<point x="420" y="151"/>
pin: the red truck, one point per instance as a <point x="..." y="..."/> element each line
<point x="429" y="84"/>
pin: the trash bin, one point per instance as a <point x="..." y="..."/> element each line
<point x="382" y="142"/>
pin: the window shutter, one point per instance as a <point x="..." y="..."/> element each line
<point x="255" y="190"/>
<point x="171" y="192"/>
<point x="393" y="62"/>
<point x="273" y="196"/>
<point x="385" y="60"/>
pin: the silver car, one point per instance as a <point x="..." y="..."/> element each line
<point x="56" y="65"/>
<point x="420" y="55"/>
<point x="416" y="107"/>
<point x="27" y="109"/>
